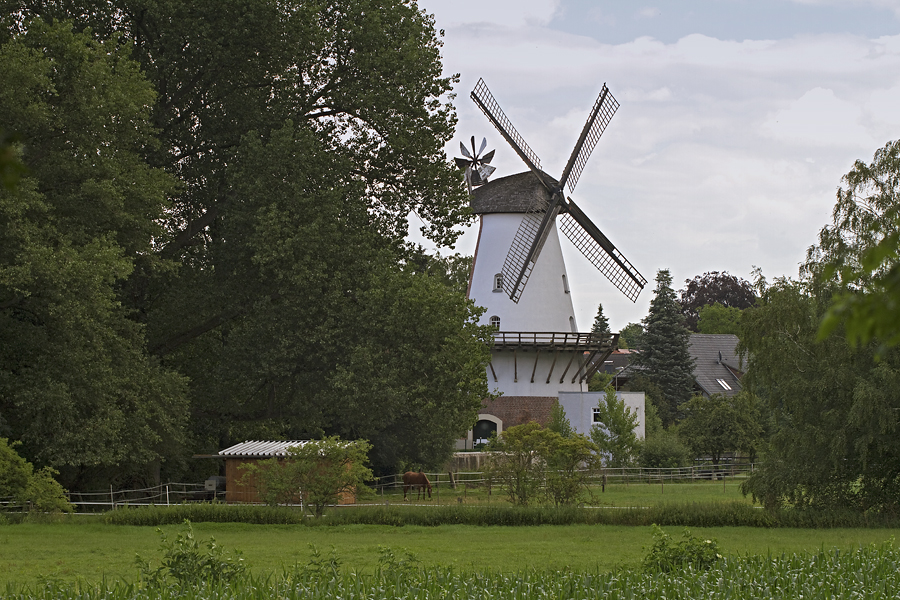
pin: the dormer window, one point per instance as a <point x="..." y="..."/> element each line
<point x="498" y="282"/>
<point x="495" y="322"/>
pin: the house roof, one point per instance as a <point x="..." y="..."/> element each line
<point x="717" y="368"/>
<point x="259" y="449"/>
<point x="510" y="194"/>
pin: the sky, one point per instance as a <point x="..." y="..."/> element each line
<point x="737" y="120"/>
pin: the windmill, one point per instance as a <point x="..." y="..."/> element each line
<point x="541" y="214"/>
<point x="477" y="170"/>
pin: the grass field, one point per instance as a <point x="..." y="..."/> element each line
<point x="66" y="551"/>
<point x="616" y="494"/>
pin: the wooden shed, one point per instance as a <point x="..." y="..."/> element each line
<point x="241" y="488"/>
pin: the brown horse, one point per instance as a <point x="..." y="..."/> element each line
<point x="418" y="481"/>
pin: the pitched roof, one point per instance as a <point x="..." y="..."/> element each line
<point x="259" y="449"/>
<point x="717" y="368"/>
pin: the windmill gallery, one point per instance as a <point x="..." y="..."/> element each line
<point x="538" y="357"/>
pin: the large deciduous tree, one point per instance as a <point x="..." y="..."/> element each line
<point x="261" y="247"/>
<point x="76" y="387"/>
<point x="714" y="287"/>
<point x="836" y="438"/>
<point x="664" y="359"/>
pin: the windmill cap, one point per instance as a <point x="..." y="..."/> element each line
<point x="510" y="194"/>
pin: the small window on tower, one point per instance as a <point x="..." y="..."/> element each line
<point x="495" y="322"/>
<point x="498" y="282"/>
<point x="597" y="415"/>
<point x="565" y="284"/>
<point x="572" y="325"/>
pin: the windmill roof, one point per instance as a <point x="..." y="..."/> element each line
<point x="510" y="194"/>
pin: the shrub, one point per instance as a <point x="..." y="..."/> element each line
<point x="666" y="555"/>
<point x="192" y="563"/>
<point x="38" y="491"/>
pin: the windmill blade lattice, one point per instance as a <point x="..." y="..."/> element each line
<point x="520" y="259"/>
<point x="597" y="248"/>
<point x="489" y="106"/>
<point x="601" y="114"/>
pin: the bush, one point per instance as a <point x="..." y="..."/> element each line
<point x="192" y="563"/>
<point x="666" y="555"/>
<point x="665" y="450"/>
<point x="36" y="491"/>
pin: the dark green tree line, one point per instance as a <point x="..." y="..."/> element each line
<point x="242" y="180"/>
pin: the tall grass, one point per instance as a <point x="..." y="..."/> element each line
<point x="870" y="572"/>
<point x="695" y="514"/>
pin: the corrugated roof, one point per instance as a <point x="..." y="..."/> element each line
<point x="717" y="365"/>
<point x="510" y="194"/>
<point x="259" y="449"/>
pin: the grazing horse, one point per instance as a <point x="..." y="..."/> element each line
<point x="418" y="481"/>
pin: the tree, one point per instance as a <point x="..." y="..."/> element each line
<point x="263" y="226"/>
<point x="858" y="252"/>
<point x="532" y="463"/>
<point x="631" y="336"/>
<point x="716" y="424"/>
<point x="664" y="357"/>
<point x="21" y="485"/>
<point x="319" y="471"/>
<point x="76" y="385"/>
<point x="601" y="323"/>
<point x="614" y="435"/>
<point x="715" y="318"/>
<point x="835" y="442"/>
<point x="517" y="461"/>
<point x="714" y="287"/>
<point x="559" y="422"/>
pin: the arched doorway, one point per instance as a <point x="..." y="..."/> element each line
<point x="483" y="431"/>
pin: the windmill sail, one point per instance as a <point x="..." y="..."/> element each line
<point x="597" y="248"/>
<point x="601" y="114"/>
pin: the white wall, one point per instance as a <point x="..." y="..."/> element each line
<point x="506" y="366"/>
<point x="579" y="407"/>
<point x="544" y="305"/>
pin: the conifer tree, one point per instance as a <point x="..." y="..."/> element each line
<point x="601" y="323"/>
<point x="664" y="354"/>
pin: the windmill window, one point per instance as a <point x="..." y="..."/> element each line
<point x="565" y="284"/>
<point x="572" y="325"/>
<point x="498" y="282"/>
<point x="724" y="384"/>
<point x="495" y="322"/>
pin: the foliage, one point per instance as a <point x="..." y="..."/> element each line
<point x="835" y="441"/>
<point x="189" y="564"/>
<point x="715" y="318"/>
<point x="614" y="434"/>
<point x="559" y="422"/>
<point x="664" y="357"/>
<point x="517" y="461"/>
<point x="714" y="287"/>
<point x="11" y="167"/>
<point x="569" y="460"/>
<point x="319" y="471"/>
<point x="76" y="385"/>
<point x="601" y="323"/>
<point x="532" y="463"/>
<point x="690" y="553"/>
<point x="251" y="241"/>
<point x="21" y="485"/>
<point x="665" y="450"/>
<point x="716" y="424"/>
<point x="631" y="336"/>
<point x="858" y="252"/>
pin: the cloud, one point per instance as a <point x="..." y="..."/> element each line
<point x="648" y="12"/>
<point x="819" y="118"/>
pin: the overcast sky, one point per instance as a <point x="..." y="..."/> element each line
<point x="737" y="120"/>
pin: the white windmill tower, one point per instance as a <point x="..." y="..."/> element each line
<point x="538" y="354"/>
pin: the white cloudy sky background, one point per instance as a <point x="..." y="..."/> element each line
<point x="737" y="120"/>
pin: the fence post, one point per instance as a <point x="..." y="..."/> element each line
<point x="167" y="494"/>
<point x="112" y="498"/>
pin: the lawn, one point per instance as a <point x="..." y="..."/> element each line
<point x="66" y="551"/>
